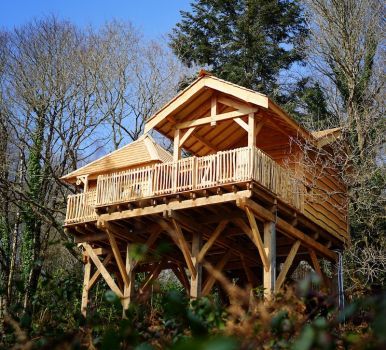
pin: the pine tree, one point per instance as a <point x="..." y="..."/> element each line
<point x="247" y="42"/>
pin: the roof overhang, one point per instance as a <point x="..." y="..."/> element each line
<point x="191" y="107"/>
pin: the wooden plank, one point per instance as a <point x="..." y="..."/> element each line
<point x="287" y="264"/>
<point x="185" y="204"/>
<point x="219" y="267"/>
<point x="256" y="238"/>
<point x="97" y="273"/>
<point x="220" y="227"/>
<point x="186" y="135"/>
<point x="117" y="255"/>
<point x="105" y="274"/>
<point x="215" y="118"/>
<point x="86" y="286"/>
<point x="242" y="123"/>
<point x="286" y="228"/>
<point x="196" y="283"/>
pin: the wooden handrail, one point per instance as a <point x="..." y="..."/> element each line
<point x="193" y="173"/>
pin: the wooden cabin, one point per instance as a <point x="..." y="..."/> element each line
<point x="244" y="199"/>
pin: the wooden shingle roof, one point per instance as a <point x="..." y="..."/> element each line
<point x="141" y="152"/>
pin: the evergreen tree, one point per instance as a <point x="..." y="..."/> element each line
<point x="247" y="42"/>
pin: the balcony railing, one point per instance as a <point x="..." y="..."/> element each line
<point x="81" y="207"/>
<point x="189" y="174"/>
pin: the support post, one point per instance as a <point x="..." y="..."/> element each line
<point x="196" y="283"/>
<point x="86" y="285"/>
<point x="176" y="145"/>
<point x="251" y="130"/>
<point x="129" y="289"/>
<point x="269" y="277"/>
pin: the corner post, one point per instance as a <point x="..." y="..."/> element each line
<point x="86" y="284"/>
<point x="269" y="277"/>
<point x="196" y="284"/>
<point x="128" y="290"/>
<point x="251" y="130"/>
<point x="176" y="145"/>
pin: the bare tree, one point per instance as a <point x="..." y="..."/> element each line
<point x="346" y="56"/>
<point x="65" y="94"/>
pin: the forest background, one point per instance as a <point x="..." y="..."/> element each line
<point x="69" y="94"/>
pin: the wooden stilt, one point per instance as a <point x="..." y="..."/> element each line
<point x="129" y="289"/>
<point x="269" y="277"/>
<point x="196" y="283"/>
<point x="86" y="285"/>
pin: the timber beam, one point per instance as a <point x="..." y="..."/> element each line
<point x="184" y="204"/>
<point x="286" y="228"/>
<point x="223" y="242"/>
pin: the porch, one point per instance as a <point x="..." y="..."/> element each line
<point x="192" y="174"/>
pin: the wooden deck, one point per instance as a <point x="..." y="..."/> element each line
<point x="187" y="175"/>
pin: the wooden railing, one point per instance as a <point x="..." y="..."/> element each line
<point x="81" y="207"/>
<point x="193" y="173"/>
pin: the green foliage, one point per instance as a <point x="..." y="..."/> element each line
<point x="32" y="223"/>
<point x="247" y="42"/>
<point x="308" y="104"/>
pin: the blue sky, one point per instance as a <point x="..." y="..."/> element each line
<point x="153" y="17"/>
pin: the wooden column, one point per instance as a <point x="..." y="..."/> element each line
<point x="251" y="130"/>
<point x="128" y="290"/>
<point x="176" y="145"/>
<point x="269" y="277"/>
<point x="196" y="283"/>
<point x="86" y="285"/>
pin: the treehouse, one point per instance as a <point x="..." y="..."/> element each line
<point x="251" y="196"/>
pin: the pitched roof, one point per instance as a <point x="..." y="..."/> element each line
<point x="140" y="152"/>
<point x="205" y="82"/>
<point x="327" y="136"/>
